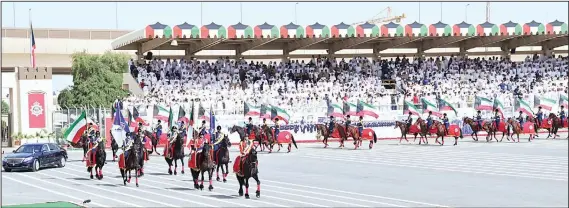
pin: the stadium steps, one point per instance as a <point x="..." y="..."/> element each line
<point x="128" y="82"/>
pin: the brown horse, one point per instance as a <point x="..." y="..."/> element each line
<point x="474" y="126"/>
<point x="516" y="129"/>
<point x="440" y="131"/>
<point x="322" y="130"/>
<point x="404" y="130"/>
<point x="555" y="124"/>
<point x="353" y="131"/>
<point x="267" y="138"/>
<point x="423" y="130"/>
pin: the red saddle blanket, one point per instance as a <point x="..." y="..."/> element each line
<point x="91" y="160"/>
<point x="121" y="161"/>
<point x="195" y="157"/>
<point x="237" y="164"/>
<point x="453" y="130"/>
<point x="285" y="137"/>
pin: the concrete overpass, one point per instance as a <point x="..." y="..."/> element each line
<point x="54" y="47"/>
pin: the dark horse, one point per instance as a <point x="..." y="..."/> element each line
<point x="114" y="146"/>
<point x="204" y="162"/>
<point x="555" y="125"/>
<point x="248" y="169"/>
<point x="100" y="156"/>
<point x="221" y="158"/>
<point x="173" y="152"/>
<point x="133" y="158"/>
<point x="153" y="139"/>
<point x="267" y="139"/>
<point x="322" y="131"/>
<point x="242" y="135"/>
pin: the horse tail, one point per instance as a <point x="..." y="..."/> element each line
<point x="374" y="137"/>
<point x="293" y="141"/>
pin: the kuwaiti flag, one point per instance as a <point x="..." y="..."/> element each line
<point x="482" y="103"/>
<point x="430" y="106"/>
<point x="182" y="116"/>
<point x="161" y="113"/>
<point x="171" y="121"/>
<point x="251" y="110"/>
<point x="350" y="108"/>
<point x="523" y="106"/>
<point x="564" y="101"/>
<point x="134" y="118"/>
<point x="32" y="47"/>
<point x="265" y="111"/>
<point x="545" y="103"/>
<point x="279" y="113"/>
<point x="498" y="106"/>
<point x="201" y="114"/>
<point x="335" y="110"/>
<point x="445" y="105"/>
<point x="409" y="107"/>
<point x="76" y="129"/>
<point x="366" y="109"/>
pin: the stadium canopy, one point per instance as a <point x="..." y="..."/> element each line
<point x="290" y="37"/>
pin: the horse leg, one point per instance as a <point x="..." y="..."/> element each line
<point x="246" y="187"/>
<point x="101" y="172"/>
<point x="195" y="175"/>
<point x="210" y="174"/>
<point x="455" y="141"/>
<point x="240" y="180"/>
<point x="217" y="172"/>
<point x="443" y="140"/>
<point x="169" y="166"/>
<point x="289" y="147"/>
<point x="226" y="172"/>
<point x="182" y="162"/>
<point x="201" y="181"/>
<point x="175" y="166"/>
<point x="123" y="176"/>
<point x="258" y="192"/>
<point x="136" y="177"/>
<point x="129" y="175"/>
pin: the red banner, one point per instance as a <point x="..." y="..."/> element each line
<point x="36" y="109"/>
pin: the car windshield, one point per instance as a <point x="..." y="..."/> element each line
<point x="29" y="149"/>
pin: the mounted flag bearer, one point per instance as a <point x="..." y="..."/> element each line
<point x="360" y="125"/>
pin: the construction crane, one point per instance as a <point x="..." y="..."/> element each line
<point x="383" y="19"/>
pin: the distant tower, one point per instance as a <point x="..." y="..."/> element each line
<point x="487" y="11"/>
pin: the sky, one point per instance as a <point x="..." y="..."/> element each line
<point x="137" y="15"/>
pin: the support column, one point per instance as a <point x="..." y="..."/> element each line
<point x="375" y="52"/>
<point x="187" y="54"/>
<point x="462" y="52"/>
<point x="238" y="53"/>
<point x="420" y="51"/>
<point x="139" y="54"/>
<point x="546" y="49"/>
<point x="284" y="57"/>
<point x="505" y="51"/>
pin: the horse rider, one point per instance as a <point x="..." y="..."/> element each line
<point x="429" y="120"/>
<point x="409" y="121"/>
<point x="496" y="118"/>
<point x="249" y="126"/>
<point x="539" y="115"/>
<point x="331" y="125"/>
<point x="89" y="131"/>
<point x="182" y="129"/>
<point x="347" y="123"/>
<point x="158" y="129"/>
<point x="219" y="137"/>
<point x="445" y="122"/>
<point x="244" y="150"/>
<point x="203" y="128"/>
<point x="277" y="128"/>
<point x="139" y="127"/>
<point x="562" y="115"/>
<point x="479" y="119"/>
<point x="360" y="125"/>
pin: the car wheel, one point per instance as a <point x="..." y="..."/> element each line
<point x="7" y="169"/>
<point x="36" y="165"/>
<point x="62" y="162"/>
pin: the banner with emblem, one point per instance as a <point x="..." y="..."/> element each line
<point x="36" y="109"/>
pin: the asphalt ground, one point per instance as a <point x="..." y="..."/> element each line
<point x="474" y="174"/>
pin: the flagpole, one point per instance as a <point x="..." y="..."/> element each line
<point x="31" y="33"/>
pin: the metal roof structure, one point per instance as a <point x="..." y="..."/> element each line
<point x="241" y="37"/>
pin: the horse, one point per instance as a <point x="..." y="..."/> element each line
<point x="96" y="160"/>
<point x="538" y="126"/>
<point x="516" y="129"/>
<point x="286" y="137"/>
<point x="153" y="139"/>
<point x="131" y="161"/>
<point x="423" y="131"/>
<point x="84" y="143"/>
<point x="114" y="146"/>
<point x="322" y="130"/>
<point x="474" y="126"/>
<point x="173" y="152"/>
<point x="204" y="163"/>
<point x="248" y="169"/>
<point x="242" y="135"/>
<point x="221" y="157"/>
<point x="404" y="131"/>
<point x="352" y="130"/>
<point x="556" y="124"/>
<point x="267" y="138"/>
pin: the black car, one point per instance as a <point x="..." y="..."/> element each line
<point x="35" y="156"/>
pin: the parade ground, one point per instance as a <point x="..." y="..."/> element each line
<point x="472" y="174"/>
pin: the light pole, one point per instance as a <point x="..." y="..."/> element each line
<point x="466" y="12"/>
<point x="201" y="13"/>
<point x="14" y="9"/>
<point x="441" y="11"/>
<point x="241" y="9"/>
<point x="419" y="11"/>
<point x="117" y="15"/>
<point x="295" y="15"/>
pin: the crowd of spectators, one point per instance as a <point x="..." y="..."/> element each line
<point x="227" y="84"/>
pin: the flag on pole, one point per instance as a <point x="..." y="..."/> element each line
<point x="409" y="107"/>
<point x="482" y="103"/>
<point x="523" y="106"/>
<point x="445" y="105"/>
<point x="251" y="110"/>
<point x="430" y="106"/>
<point x="160" y="113"/>
<point x="366" y="109"/>
<point x="134" y="118"/>
<point x="76" y="129"/>
<point x="182" y="116"/>
<point x="498" y="106"/>
<point x="119" y="128"/>
<point x="335" y="110"/>
<point x="279" y="113"/>
<point x="350" y="108"/>
<point x="32" y="44"/>
<point x="192" y="114"/>
<point x="564" y="101"/>
<point x="545" y="103"/>
<point x="201" y="113"/>
<point x="171" y="119"/>
<point x="211" y="123"/>
<point x="265" y="111"/>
